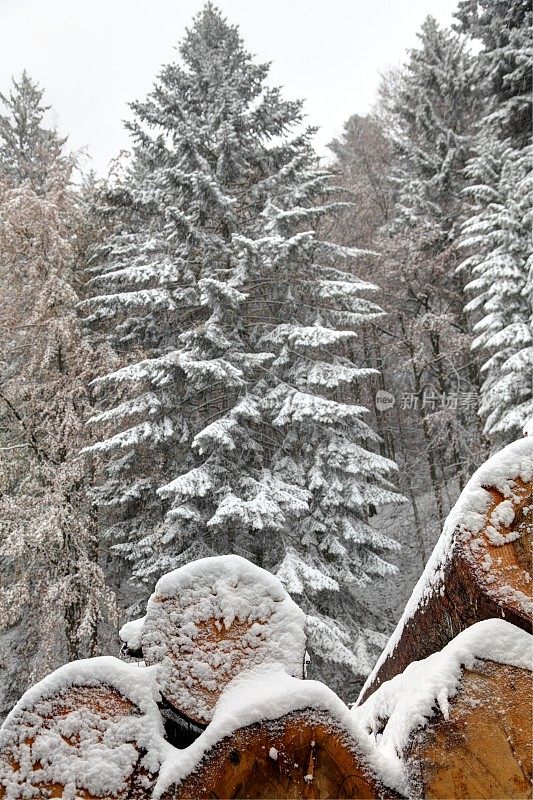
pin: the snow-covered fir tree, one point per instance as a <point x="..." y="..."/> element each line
<point x="231" y="424"/>
<point x="434" y="111"/>
<point x="431" y="115"/>
<point x="497" y="234"/>
<point x="503" y="65"/>
<point x="53" y="591"/>
<point x="29" y="150"/>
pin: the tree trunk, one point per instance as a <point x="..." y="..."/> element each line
<point x="412" y="496"/>
<point x="425" y="427"/>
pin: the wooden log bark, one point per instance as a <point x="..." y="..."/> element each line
<point x="304" y="754"/>
<point x="480" y="569"/>
<point x="483" y="749"/>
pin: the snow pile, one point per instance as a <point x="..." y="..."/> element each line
<point x="55" y="735"/>
<point x="468" y="516"/>
<point x="131" y="633"/>
<point x="406" y="702"/>
<point x="212" y="619"/>
<point x="268" y="693"/>
<point x="502" y="517"/>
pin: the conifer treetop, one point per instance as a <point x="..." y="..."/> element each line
<point x="29" y="151"/>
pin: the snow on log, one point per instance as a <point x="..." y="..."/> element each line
<point x="210" y="620"/>
<point x="91" y="729"/>
<point x="480" y="567"/>
<point x="276" y="736"/>
<point x="458" y="723"/>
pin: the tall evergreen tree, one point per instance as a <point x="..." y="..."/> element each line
<point x="29" y="150"/>
<point x="503" y="66"/>
<point x="497" y="233"/>
<point x="229" y="427"/>
<point x="433" y="114"/>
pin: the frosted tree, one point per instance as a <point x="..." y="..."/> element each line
<point x="30" y="152"/>
<point x="362" y="164"/>
<point x="434" y="111"/>
<point x="53" y="592"/>
<point x="230" y="425"/>
<point x="431" y="117"/>
<point x="497" y="234"/>
<point x="503" y="65"/>
<point x="501" y="285"/>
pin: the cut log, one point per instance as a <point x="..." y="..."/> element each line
<point x="458" y="724"/>
<point x="483" y="748"/>
<point x="481" y="567"/>
<point x="304" y="755"/>
<point x="211" y="620"/>
<point x="272" y="736"/>
<point x="88" y="739"/>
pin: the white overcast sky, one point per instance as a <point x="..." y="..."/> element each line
<point x="94" y="56"/>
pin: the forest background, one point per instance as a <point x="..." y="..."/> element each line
<point x="233" y="344"/>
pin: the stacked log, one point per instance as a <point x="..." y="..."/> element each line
<point x="304" y="754"/>
<point x="83" y="733"/>
<point x="481" y="567"/>
<point x="482" y="748"/>
<point x="211" y="620"/>
<point x="458" y="724"/>
<point x="446" y="712"/>
<point x="273" y="735"/>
